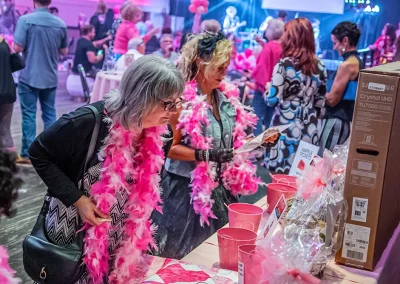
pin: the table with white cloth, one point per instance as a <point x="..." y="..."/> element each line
<point x="105" y="81"/>
<point x="207" y="254"/>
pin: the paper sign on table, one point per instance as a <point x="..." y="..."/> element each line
<point x="175" y="271"/>
<point x="273" y="219"/>
<point x="305" y="154"/>
<point x="259" y="140"/>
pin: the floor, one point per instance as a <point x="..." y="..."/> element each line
<point x="14" y="230"/>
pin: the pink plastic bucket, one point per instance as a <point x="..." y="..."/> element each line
<point x="229" y="240"/>
<point x="246" y="216"/>
<point x="284" y="179"/>
<point x="249" y="262"/>
<point x="275" y="191"/>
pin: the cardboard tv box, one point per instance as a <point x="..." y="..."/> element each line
<point x="372" y="186"/>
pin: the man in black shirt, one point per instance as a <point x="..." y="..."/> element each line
<point x="85" y="53"/>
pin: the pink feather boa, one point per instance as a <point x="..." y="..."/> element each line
<point x="6" y="273"/>
<point x="238" y="175"/>
<point x="123" y="162"/>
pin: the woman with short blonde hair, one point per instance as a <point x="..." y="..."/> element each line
<point x="202" y="172"/>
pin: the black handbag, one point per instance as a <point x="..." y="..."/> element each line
<point x="17" y="62"/>
<point x="50" y="263"/>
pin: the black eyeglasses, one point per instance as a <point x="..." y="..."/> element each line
<point x="171" y="105"/>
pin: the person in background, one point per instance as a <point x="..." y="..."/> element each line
<point x="148" y="95"/>
<point x="54" y="11"/>
<point x="282" y="15"/>
<point x="262" y="74"/>
<point x="166" y="30"/>
<point x="342" y="93"/>
<point x="297" y="91"/>
<point x="166" y="49"/>
<point x="153" y="44"/>
<point x="8" y="18"/>
<point x="212" y="26"/>
<point x="177" y="41"/>
<point x="109" y="19"/>
<point x="98" y="20"/>
<point x="389" y="46"/>
<point x="9" y="185"/>
<point x="398" y="30"/>
<point x="7" y="95"/>
<point x="127" y="30"/>
<point x="186" y="35"/>
<point x="142" y="27"/>
<point x="231" y="21"/>
<point x="42" y="37"/>
<point x="85" y="52"/>
<point x="136" y="47"/>
<point x="377" y="47"/>
<point x="397" y="55"/>
<point x="113" y="31"/>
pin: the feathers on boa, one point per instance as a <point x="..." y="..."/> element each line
<point x="6" y="273"/>
<point x="238" y="175"/>
<point x="123" y="162"/>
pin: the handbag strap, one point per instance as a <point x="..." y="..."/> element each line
<point x="93" y="141"/>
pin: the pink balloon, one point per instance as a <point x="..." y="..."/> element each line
<point x="200" y="10"/>
<point x="200" y="2"/>
<point x="192" y="8"/>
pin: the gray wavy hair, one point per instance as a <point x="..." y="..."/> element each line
<point x="149" y="80"/>
<point x="275" y="29"/>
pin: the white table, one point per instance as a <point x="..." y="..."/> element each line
<point x="105" y="81"/>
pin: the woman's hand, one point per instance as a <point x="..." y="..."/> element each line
<point x="89" y="212"/>
<point x="272" y="140"/>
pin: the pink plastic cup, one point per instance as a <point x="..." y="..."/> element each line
<point x="275" y="191"/>
<point x="229" y="240"/>
<point x="284" y="179"/>
<point x="249" y="262"/>
<point x="246" y="216"/>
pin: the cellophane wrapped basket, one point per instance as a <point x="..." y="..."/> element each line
<point x="311" y="229"/>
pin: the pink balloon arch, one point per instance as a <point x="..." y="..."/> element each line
<point x="198" y="6"/>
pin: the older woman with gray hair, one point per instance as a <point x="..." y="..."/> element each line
<point x="262" y="74"/>
<point x="166" y="49"/>
<point x="120" y="180"/>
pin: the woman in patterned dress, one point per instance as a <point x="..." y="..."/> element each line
<point x="297" y="91"/>
<point x="148" y="95"/>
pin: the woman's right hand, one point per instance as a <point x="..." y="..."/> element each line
<point x="88" y="211"/>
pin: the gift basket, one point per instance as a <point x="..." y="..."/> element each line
<point x="311" y="228"/>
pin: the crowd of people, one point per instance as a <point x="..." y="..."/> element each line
<point x="174" y="104"/>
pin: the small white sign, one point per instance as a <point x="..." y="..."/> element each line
<point x="359" y="209"/>
<point x="273" y="219"/>
<point x="241" y="272"/>
<point x="355" y="242"/>
<point x="376" y="87"/>
<point x="305" y="154"/>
